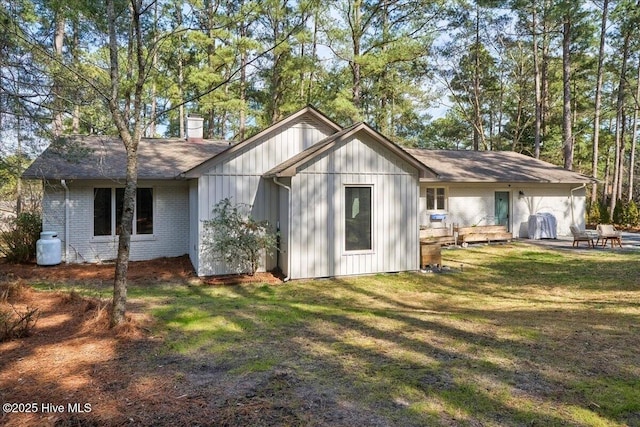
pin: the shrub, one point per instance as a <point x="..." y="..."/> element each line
<point x="17" y="324"/>
<point x="631" y="214"/>
<point x="595" y="214"/>
<point x="18" y="243"/>
<point x="605" y="218"/>
<point x="236" y="238"/>
<point x="618" y="213"/>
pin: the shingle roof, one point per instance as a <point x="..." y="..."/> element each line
<point x="493" y="166"/>
<point x="104" y="157"/>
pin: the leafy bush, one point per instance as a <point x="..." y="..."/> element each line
<point x="595" y="214"/>
<point x="631" y="214"/>
<point x="18" y="243"/>
<point x="618" y="213"/>
<point x="605" y="218"/>
<point x="234" y="237"/>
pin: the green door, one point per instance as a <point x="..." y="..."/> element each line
<point x="502" y="208"/>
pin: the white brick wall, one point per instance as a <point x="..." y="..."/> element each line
<point x="170" y="222"/>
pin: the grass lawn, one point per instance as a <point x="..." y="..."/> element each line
<point x="515" y="335"/>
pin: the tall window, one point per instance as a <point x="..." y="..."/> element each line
<point x="107" y="211"/>
<point x="435" y="198"/>
<point x="358" y="218"/>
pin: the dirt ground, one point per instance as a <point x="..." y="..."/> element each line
<point x="75" y="371"/>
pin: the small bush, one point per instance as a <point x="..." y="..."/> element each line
<point x="17" y="324"/>
<point x="234" y="237"/>
<point x="631" y="214"/>
<point x="618" y="213"/>
<point x="605" y="218"/>
<point x="594" y="215"/>
<point x="18" y="244"/>
<point x="11" y="290"/>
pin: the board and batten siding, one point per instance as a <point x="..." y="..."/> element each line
<point x="240" y="179"/>
<point x="318" y="213"/>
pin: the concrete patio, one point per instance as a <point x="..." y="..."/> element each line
<point x="630" y="242"/>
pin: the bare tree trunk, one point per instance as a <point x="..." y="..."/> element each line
<point x="57" y="126"/>
<point x="476" y="85"/>
<point x="607" y="176"/>
<point x="355" y="18"/>
<point x="566" y="84"/>
<point x="314" y="54"/>
<point x="598" y="102"/>
<point x="19" y="171"/>
<point x="538" y="89"/>
<point x="130" y="137"/>
<point x="181" y="118"/>
<point x="242" y="125"/>
<point x="544" y="75"/>
<point x="620" y="118"/>
<point x="151" y="133"/>
<point x="634" y="138"/>
<point x="75" y="118"/>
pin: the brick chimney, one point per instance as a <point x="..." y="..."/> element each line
<point x="195" y="129"/>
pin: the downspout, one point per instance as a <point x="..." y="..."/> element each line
<point x="275" y="180"/>
<point x="573" y="220"/>
<point x="66" y="220"/>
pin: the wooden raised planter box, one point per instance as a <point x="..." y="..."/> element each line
<point x="443" y="236"/>
<point x="483" y="233"/>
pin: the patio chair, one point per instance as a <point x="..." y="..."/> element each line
<point x="608" y="232"/>
<point x="581" y="236"/>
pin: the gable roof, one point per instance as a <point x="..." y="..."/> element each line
<point x="494" y="166"/>
<point x="291" y="166"/>
<point x="306" y="111"/>
<point x="104" y="157"/>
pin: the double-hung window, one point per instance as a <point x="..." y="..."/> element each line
<point x="107" y="211"/>
<point x="358" y="218"/>
<point x="435" y="198"/>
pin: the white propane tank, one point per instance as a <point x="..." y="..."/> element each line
<point x="48" y="249"/>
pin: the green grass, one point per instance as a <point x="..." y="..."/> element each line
<point x="517" y="335"/>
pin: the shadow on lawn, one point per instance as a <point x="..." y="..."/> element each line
<point x="383" y="350"/>
<point x="413" y="364"/>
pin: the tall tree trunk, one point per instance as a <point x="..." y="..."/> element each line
<point x="620" y="118"/>
<point x="607" y="178"/>
<point x="58" y="43"/>
<point x="537" y="82"/>
<point x="154" y="87"/>
<point x="128" y="121"/>
<point x="75" y="118"/>
<point x="181" y="117"/>
<point x="544" y="83"/>
<point x="566" y="84"/>
<point x="477" y="119"/>
<point x="314" y="54"/>
<point x="355" y="18"/>
<point x="598" y="102"/>
<point x="242" y="125"/>
<point x="634" y="138"/>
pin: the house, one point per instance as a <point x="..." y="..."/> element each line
<point x="344" y="200"/>
<point x="499" y="187"/>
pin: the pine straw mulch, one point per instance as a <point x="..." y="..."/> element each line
<point x="72" y="357"/>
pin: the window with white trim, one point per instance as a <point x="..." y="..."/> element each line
<point x="107" y="211"/>
<point x="435" y="198"/>
<point x="358" y="218"/>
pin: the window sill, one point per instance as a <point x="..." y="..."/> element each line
<point x="359" y="252"/>
<point x="134" y="238"/>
